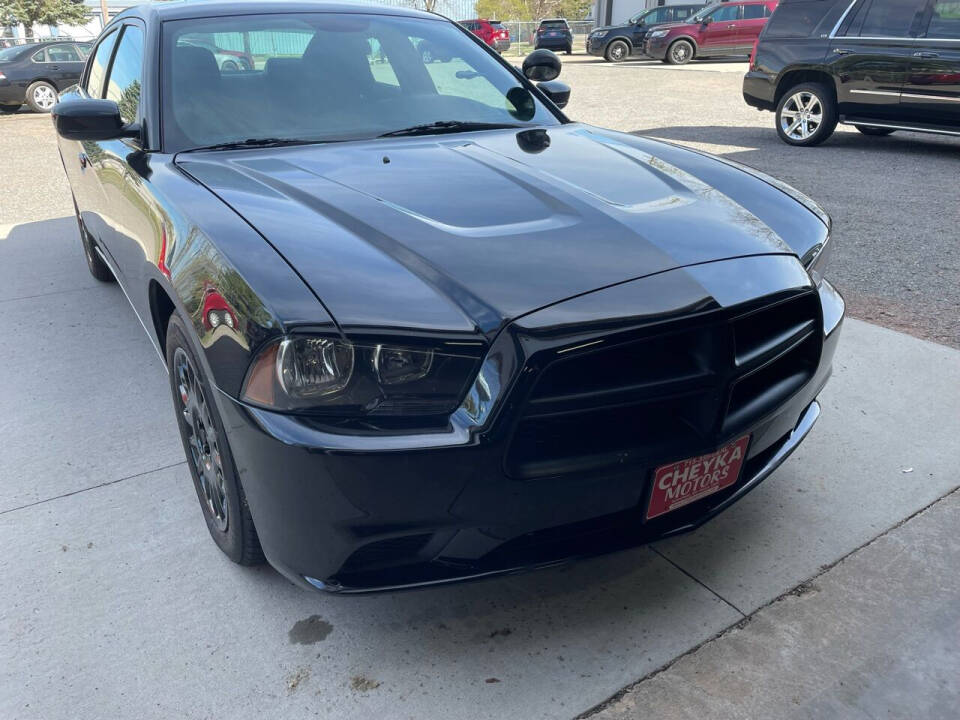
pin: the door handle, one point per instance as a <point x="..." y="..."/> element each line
<point x="842" y="51"/>
<point x="731" y="27"/>
<point x="926" y="54"/>
<point x="54" y="67"/>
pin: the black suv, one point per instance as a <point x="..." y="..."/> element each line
<point x="554" y="34"/>
<point x="618" y="42"/>
<point x="879" y="65"/>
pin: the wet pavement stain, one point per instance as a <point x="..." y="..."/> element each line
<point x="309" y="631"/>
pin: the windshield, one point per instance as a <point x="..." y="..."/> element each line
<point x="330" y="77"/>
<point x="639" y="16"/>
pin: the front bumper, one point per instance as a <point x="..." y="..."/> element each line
<point x="656" y="47"/>
<point x="367" y="513"/>
<point x="595" y="46"/>
<point x="501" y="46"/>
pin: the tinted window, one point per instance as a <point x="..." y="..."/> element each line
<point x="891" y="18"/>
<point x="39" y="56"/>
<point x="945" y="21"/>
<point x="554" y="25"/>
<point x="63" y="53"/>
<point x="124" y="84"/>
<point x="754" y="12"/>
<point x="84" y="50"/>
<point x="796" y="19"/>
<point x="98" y="68"/>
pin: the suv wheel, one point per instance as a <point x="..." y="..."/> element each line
<point x="680" y="53"/>
<point x="874" y="131"/>
<point x="617" y="51"/>
<point x="806" y="115"/>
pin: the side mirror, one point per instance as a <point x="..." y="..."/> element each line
<point x="541" y="65"/>
<point x="88" y="119"/>
<point x="558" y="92"/>
<point x="707" y="20"/>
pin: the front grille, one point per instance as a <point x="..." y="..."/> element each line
<point x="666" y="393"/>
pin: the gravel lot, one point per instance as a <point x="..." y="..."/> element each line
<point x="894" y="200"/>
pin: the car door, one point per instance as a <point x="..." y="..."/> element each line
<point x="83" y="160"/>
<point x="931" y="94"/>
<point x="65" y="64"/>
<point x="751" y="24"/>
<point x="870" y="55"/>
<point x="720" y="34"/>
<point x="127" y="199"/>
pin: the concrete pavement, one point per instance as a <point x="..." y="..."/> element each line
<point x="114" y="598"/>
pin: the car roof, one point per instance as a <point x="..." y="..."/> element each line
<point x="186" y="9"/>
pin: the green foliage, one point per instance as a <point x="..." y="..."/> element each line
<point x="532" y="9"/>
<point x="42" y="12"/>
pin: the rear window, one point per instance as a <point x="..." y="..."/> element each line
<point x="554" y="24"/>
<point x="496" y="25"/>
<point x="796" y="19"/>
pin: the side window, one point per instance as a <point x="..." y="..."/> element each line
<point x="123" y="87"/>
<point x="945" y="21"/>
<point x="657" y="16"/>
<point x="727" y="13"/>
<point x="84" y="51"/>
<point x="63" y="53"/>
<point x="98" y="67"/>
<point x="40" y="56"/>
<point x="753" y="12"/>
<point x="891" y="18"/>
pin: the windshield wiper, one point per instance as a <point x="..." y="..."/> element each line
<point x="448" y="126"/>
<point x="256" y="143"/>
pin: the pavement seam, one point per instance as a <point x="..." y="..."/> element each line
<point x="619" y="695"/>
<point x="699" y="582"/>
<point x="54" y="292"/>
<point x="92" y="487"/>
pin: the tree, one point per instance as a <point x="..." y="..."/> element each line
<point x="42" y="12"/>
<point x="525" y="10"/>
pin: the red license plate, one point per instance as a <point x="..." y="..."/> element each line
<point x="681" y="483"/>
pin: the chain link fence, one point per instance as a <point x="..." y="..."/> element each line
<point x="6" y="42"/>
<point x="522" y="35"/>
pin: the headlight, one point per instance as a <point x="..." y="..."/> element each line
<point x="658" y="33"/>
<point x="598" y="33"/>
<point x="330" y="376"/>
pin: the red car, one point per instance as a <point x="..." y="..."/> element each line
<point x="729" y="28"/>
<point x="491" y="32"/>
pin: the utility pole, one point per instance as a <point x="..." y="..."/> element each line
<point x="104" y="15"/>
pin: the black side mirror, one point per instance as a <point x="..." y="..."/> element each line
<point x="558" y="92"/>
<point x="88" y="119"/>
<point x="707" y="20"/>
<point x="541" y="65"/>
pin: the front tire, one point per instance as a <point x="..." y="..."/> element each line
<point x="874" y="131"/>
<point x="806" y="115"/>
<point x="42" y="96"/>
<point x="617" y="51"/>
<point x="569" y="51"/>
<point x="679" y="53"/>
<point x="221" y="496"/>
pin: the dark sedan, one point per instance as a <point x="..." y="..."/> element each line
<point x="36" y="74"/>
<point x="421" y="327"/>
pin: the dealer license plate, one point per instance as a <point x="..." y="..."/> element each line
<point x="680" y="483"/>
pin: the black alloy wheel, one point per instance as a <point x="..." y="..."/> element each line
<point x="680" y="53"/>
<point x="221" y="496"/>
<point x="617" y="51"/>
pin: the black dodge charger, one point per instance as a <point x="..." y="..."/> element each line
<point x="420" y="326"/>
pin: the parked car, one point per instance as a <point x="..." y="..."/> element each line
<point x="883" y="66"/>
<point x="379" y="382"/>
<point x="35" y="74"/>
<point x="227" y="60"/>
<point x="492" y="32"/>
<point x="720" y="30"/>
<point x="616" y="43"/>
<point x="554" y="34"/>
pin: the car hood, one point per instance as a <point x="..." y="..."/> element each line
<point x="607" y="28"/>
<point x="466" y="232"/>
